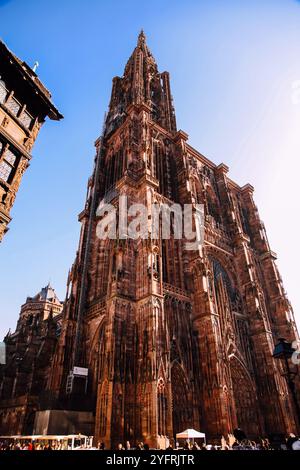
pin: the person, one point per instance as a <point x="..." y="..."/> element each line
<point x="120" y="446"/>
<point x="265" y="445"/>
<point x="296" y="445"/>
<point x="290" y="441"/>
<point x="268" y="444"/>
<point x="254" y="445"/>
<point x="225" y="446"/>
<point x="239" y="434"/>
<point x="127" y="445"/>
<point x="203" y="446"/>
<point x="236" y="445"/>
<point x="186" y="445"/>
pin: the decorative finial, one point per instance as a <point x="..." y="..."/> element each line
<point x="141" y="38"/>
<point x="35" y="66"/>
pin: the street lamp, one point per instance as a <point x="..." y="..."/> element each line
<point x="283" y="350"/>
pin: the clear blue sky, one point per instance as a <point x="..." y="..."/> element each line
<point x="233" y="65"/>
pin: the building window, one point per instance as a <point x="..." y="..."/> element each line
<point x="3" y="92"/>
<point x="26" y="119"/>
<point x="7" y="165"/>
<point x="13" y="105"/>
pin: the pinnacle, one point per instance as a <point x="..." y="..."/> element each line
<point x="141" y="38"/>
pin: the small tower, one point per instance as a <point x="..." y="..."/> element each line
<point x="29" y="351"/>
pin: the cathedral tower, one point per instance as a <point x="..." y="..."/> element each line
<point x="28" y="353"/>
<point x="170" y="339"/>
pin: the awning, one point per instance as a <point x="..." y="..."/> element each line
<point x="190" y="434"/>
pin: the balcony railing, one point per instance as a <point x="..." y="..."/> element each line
<point x="175" y="290"/>
<point x="217" y="233"/>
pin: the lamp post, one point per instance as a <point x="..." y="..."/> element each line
<point x="283" y="350"/>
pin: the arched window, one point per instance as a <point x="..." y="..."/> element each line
<point x="162" y="407"/>
<point x="156" y="263"/>
<point x="212" y="208"/>
<point x="219" y="271"/>
<point x="244" y="395"/>
<point x="181" y="410"/>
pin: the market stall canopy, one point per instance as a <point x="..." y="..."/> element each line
<point x="190" y="434"/>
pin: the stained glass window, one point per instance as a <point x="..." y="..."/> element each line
<point x="218" y="270"/>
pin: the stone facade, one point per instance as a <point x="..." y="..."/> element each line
<point x="29" y="351"/>
<point x="172" y="338"/>
<point x="24" y="105"/>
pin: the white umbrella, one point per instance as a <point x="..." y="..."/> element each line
<point x="190" y="434"/>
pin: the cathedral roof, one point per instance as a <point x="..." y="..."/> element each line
<point x="46" y="294"/>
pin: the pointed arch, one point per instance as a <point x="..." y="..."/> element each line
<point x="162" y="403"/>
<point x="103" y="397"/>
<point x="221" y="271"/>
<point x="182" y="415"/>
<point x="245" y="398"/>
<point x="212" y="204"/>
<point x="97" y="356"/>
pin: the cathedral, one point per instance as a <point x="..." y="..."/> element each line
<point x="153" y="338"/>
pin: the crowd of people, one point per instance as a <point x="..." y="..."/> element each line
<point x="291" y="442"/>
<point x="5" y="444"/>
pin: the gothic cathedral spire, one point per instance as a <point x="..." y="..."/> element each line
<point x="141" y="83"/>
